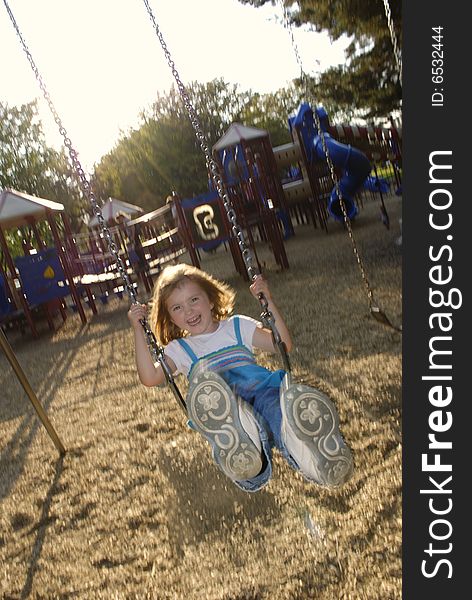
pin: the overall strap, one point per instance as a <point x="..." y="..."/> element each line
<point x="187" y="349"/>
<point x="237" y="331"/>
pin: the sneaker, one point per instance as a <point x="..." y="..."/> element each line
<point x="310" y="432"/>
<point x="228" y="423"/>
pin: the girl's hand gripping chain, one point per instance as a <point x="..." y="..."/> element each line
<point x="260" y="286"/>
<point x="136" y="313"/>
<point x="149" y="374"/>
<point x="263" y="337"/>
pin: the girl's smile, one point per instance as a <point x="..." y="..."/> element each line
<point x="190" y="309"/>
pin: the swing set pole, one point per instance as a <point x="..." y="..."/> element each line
<point x="7" y="349"/>
<point x="214" y="172"/>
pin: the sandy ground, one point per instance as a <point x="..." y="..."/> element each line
<point x="137" y="509"/>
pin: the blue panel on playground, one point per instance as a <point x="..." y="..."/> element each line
<point x="6" y="305"/>
<point x="234" y="165"/>
<point x="42" y="276"/>
<point x="206" y="220"/>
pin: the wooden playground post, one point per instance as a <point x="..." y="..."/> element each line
<point x="37" y="236"/>
<point x="11" y="266"/>
<point x="29" y="391"/>
<point x="70" y="250"/>
<point x="65" y="266"/>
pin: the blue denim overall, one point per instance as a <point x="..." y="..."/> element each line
<point x="256" y="385"/>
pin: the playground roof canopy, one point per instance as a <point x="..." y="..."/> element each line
<point x="236" y="133"/>
<point x="112" y="208"/>
<point x="18" y="208"/>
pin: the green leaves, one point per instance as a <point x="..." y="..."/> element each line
<point x="367" y="84"/>
<point x="164" y="154"/>
<point x="28" y="165"/>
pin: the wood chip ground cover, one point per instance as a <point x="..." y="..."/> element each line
<point x="136" y="508"/>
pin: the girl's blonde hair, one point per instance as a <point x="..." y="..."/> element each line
<point x="220" y="295"/>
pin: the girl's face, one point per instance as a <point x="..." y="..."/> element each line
<point x="190" y="309"/>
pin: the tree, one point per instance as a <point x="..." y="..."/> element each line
<point x="367" y="85"/>
<point x="270" y="112"/>
<point x="28" y="165"/>
<point x="164" y="154"/>
<point x="149" y="162"/>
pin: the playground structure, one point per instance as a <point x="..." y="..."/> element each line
<point x="382" y="147"/>
<point x="157" y="240"/>
<point x="78" y="266"/>
<point x="354" y="151"/>
<point x="39" y="281"/>
<point x="246" y="160"/>
<point x="112" y="209"/>
<point x="146" y="243"/>
<point x="93" y="262"/>
<point x="93" y="265"/>
<point x="270" y="187"/>
<point x="204" y="221"/>
<point x="81" y="266"/>
<point x="183" y="225"/>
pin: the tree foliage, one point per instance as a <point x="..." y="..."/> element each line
<point x="164" y="154"/>
<point x="367" y="84"/>
<point x="270" y="112"/>
<point x="28" y="165"/>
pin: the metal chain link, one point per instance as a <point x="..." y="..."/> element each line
<point x="157" y="353"/>
<point x="210" y="162"/>
<point x="212" y="167"/>
<point x="376" y="312"/>
<point x="393" y="36"/>
<point x="83" y="181"/>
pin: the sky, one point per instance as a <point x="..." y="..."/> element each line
<point x="102" y="62"/>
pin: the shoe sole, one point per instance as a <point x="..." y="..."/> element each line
<point x="314" y="420"/>
<point x="213" y="410"/>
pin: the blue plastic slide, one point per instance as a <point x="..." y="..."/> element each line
<point x="353" y="163"/>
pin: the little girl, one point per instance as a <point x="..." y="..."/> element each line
<point x="241" y="408"/>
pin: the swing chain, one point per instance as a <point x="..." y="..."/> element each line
<point x="393" y="36"/>
<point x="156" y="351"/>
<point x="374" y="309"/>
<point x="347" y="220"/>
<point x="268" y="321"/>
<point x="83" y="182"/>
<point x="157" y="354"/>
<point x="211" y="165"/>
<point x="213" y="169"/>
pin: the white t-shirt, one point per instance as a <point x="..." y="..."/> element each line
<point x="210" y="342"/>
